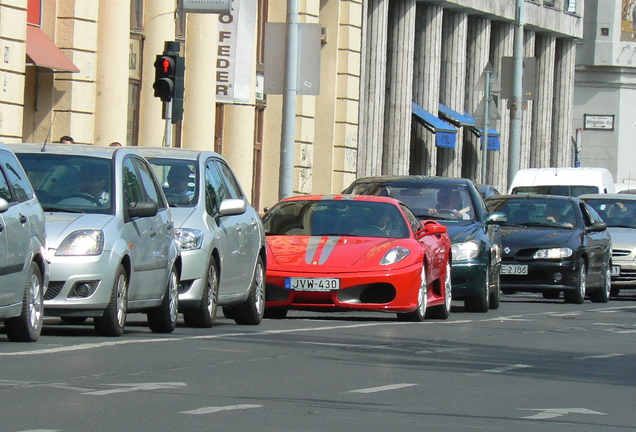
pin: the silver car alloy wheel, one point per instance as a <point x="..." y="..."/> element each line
<point x="173" y="292"/>
<point x="36" y="303"/>
<point x="259" y="288"/>
<point x="213" y="299"/>
<point x="120" y="300"/>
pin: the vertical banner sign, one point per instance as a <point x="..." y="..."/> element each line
<point x="236" y="53"/>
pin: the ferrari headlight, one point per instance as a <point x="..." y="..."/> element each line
<point x="465" y="251"/>
<point x="553" y="253"/>
<point x="84" y="242"/>
<point x="188" y="239"/>
<point x="396" y="254"/>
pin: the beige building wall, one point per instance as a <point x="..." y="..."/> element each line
<point x="12" y="69"/>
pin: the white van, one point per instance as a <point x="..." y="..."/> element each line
<point x="562" y="181"/>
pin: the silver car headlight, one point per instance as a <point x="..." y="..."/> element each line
<point x="553" y="253"/>
<point x="396" y="254"/>
<point x="465" y="251"/>
<point x="188" y="239"/>
<point x="84" y="242"/>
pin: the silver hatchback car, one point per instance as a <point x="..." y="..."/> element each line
<point x="221" y="236"/>
<point x="110" y="236"/>
<point x="23" y="268"/>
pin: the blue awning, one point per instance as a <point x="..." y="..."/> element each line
<point x="445" y="134"/>
<point x="454" y="117"/>
<point x="493" y="138"/>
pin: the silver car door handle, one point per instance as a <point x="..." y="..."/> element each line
<point x="23" y="218"/>
<point x="169" y="226"/>
<point x="152" y="233"/>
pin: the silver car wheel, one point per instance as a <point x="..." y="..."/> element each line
<point x="173" y="292"/>
<point x="120" y="301"/>
<point x="36" y="303"/>
<point x="259" y="285"/>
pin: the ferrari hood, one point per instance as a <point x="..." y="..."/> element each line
<point x="60" y="224"/>
<point x="325" y="251"/>
<point x="517" y="238"/>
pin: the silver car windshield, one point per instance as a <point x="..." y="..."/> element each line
<point x="178" y="179"/>
<point x="618" y="213"/>
<point x="76" y="184"/>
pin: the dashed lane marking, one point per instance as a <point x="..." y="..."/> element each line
<point x="382" y="388"/>
<point x="507" y="368"/>
<point x="212" y="410"/>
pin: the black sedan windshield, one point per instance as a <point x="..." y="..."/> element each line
<point x="535" y="212"/>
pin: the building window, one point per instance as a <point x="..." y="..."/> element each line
<point x="549" y="3"/>
<point x="136" y="15"/>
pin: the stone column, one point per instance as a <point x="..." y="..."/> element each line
<point x="200" y="57"/>
<point x="397" y="117"/>
<point x="527" y="118"/>
<point x="561" y="154"/>
<point x="502" y="46"/>
<point x="478" y="52"/>
<point x="372" y="89"/>
<point x="426" y="67"/>
<point x="542" y="108"/>
<point x="158" y="28"/>
<point x="111" y="99"/>
<point x="453" y="85"/>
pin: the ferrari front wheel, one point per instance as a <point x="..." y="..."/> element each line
<point x="443" y="311"/>
<point x="418" y="314"/>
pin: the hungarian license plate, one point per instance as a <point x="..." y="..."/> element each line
<point x="514" y="269"/>
<point x="616" y="270"/>
<point x="312" y="284"/>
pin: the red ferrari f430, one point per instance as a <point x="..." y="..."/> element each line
<point x="346" y="252"/>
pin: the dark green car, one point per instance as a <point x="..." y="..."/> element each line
<point x="456" y="203"/>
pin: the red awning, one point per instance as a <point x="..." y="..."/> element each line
<point x="44" y="53"/>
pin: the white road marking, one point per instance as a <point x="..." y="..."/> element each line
<point x="210" y="410"/>
<point x="600" y="356"/>
<point x="507" y="368"/>
<point x="41" y="430"/>
<point x="382" y="388"/>
<point x="127" y="388"/>
<point x="107" y="344"/>
<point x="558" y="412"/>
<point x="509" y="318"/>
<point x="441" y="350"/>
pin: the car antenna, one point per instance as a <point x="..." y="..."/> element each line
<point x="49" y="134"/>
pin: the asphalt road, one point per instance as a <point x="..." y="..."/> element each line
<point x="532" y="365"/>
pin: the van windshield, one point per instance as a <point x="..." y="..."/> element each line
<point x="564" y="190"/>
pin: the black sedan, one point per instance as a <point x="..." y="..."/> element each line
<point x="455" y="203"/>
<point x="553" y="244"/>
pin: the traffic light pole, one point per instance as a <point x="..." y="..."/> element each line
<point x="167" y="110"/>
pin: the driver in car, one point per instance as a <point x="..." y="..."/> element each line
<point x="92" y="187"/>
<point x="178" y="191"/>
<point x="450" y="202"/>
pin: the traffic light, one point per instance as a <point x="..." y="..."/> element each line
<point x="165" y="75"/>
<point x="177" y="93"/>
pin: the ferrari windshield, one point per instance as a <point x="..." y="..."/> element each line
<point x="77" y="184"/>
<point x="336" y="218"/>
